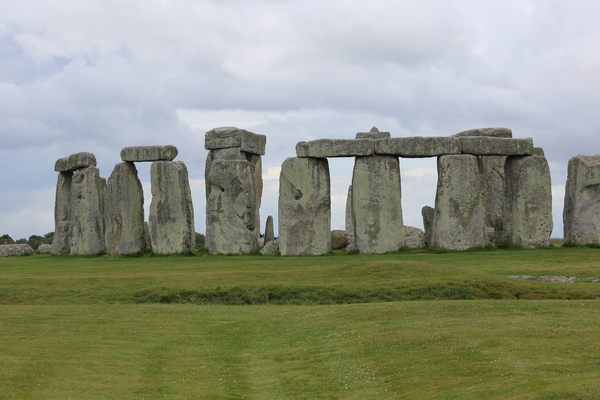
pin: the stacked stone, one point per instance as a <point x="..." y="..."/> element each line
<point x="79" y="206"/>
<point x="233" y="190"/>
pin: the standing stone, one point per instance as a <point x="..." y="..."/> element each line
<point x="256" y="161"/>
<point x="492" y="168"/>
<point x="61" y="242"/>
<point x="581" y="215"/>
<point x="231" y="208"/>
<point x="124" y="211"/>
<point x="88" y="191"/>
<point x="269" y="231"/>
<point x="171" y="218"/>
<point x="528" y="202"/>
<point x="349" y="227"/>
<point x="376" y="205"/>
<point x="415" y="237"/>
<point x="459" y="218"/>
<point x="304" y="207"/>
<point x="428" y="214"/>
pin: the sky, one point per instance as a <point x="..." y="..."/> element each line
<point x="101" y="75"/>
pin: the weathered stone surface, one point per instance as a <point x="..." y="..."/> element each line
<point x="269" y="231"/>
<point x="256" y="161"/>
<point x="538" y="151"/>
<point x="88" y="192"/>
<point x="124" y="211"/>
<point x="8" y="250"/>
<point x="75" y="161"/>
<point x="45" y="248"/>
<point x="415" y="237"/>
<point x="324" y="148"/>
<point x="304" y="207"/>
<point x="528" y="202"/>
<point x="459" y="218"/>
<point x="61" y="242"/>
<point x="149" y="153"/>
<point x="171" y="217"/>
<point x="349" y="227"/>
<point x="493" y="146"/>
<point x="340" y="239"/>
<point x="270" y="247"/>
<point x="231" y="208"/>
<point x="418" y="146"/>
<point x="373" y="134"/>
<point x="490" y="132"/>
<point x="428" y="214"/>
<point x="581" y="214"/>
<point x="376" y="205"/>
<point x="220" y="138"/>
<point x="492" y="168"/>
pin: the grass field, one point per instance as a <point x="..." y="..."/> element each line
<point x="415" y="325"/>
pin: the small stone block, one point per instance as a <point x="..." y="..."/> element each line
<point x="492" y="146"/>
<point x="223" y="138"/>
<point x="149" y="153"/>
<point x="373" y="134"/>
<point x="418" y="146"/>
<point x="489" y="132"/>
<point x="75" y="161"/>
<point x="324" y="148"/>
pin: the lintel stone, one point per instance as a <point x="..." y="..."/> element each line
<point x="494" y="146"/>
<point x="489" y="132"/>
<point x="418" y="146"/>
<point x="324" y="148"/>
<point x="75" y="161"/>
<point x="225" y="137"/>
<point x="149" y="153"/>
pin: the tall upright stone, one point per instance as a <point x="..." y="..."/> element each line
<point x="61" y="242"/>
<point x="256" y="162"/>
<point x="581" y="215"/>
<point x="231" y="207"/>
<point x="124" y="211"/>
<point x="459" y="218"/>
<point x="269" y="231"/>
<point x="377" y="205"/>
<point x="428" y="214"/>
<point x="528" y="202"/>
<point x="349" y="226"/>
<point x="304" y="207"/>
<point x="492" y="168"/>
<point x="171" y="218"/>
<point x="88" y="191"/>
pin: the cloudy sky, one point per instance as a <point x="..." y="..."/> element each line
<point x="100" y="75"/>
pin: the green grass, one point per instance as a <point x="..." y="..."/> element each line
<point x="98" y="327"/>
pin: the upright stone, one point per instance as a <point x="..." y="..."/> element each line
<point x="171" y="218"/>
<point x="231" y="208"/>
<point x="61" y="242"/>
<point x="492" y="168"/>
<point x="349" y="226"/>
<point x="581" y="215"/>
<point x="304" y="207"/>
<point x="459" y="218"/>
<point x="528" y="202"/>
<point x="88" y="191"/>
<point x="377" y="205"/>
<point x="428" y="214"/>
<point x="269" y="231"/>
<point x="124" y="211"/>
<point x="256" y="162"/>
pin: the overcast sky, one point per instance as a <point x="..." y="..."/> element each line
<point x="101" y="75"/>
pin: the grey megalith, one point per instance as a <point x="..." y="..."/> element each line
<point x="377" y="205"/>
<point x="349" y="227"/>
<point x="323" y="148"/>
<point x="225" y="137"/>
<point x="75" y="161"/>
<point x="61" y="242"/>
<point x="269" y="230"/>
<point x="149" y="153"/>
<point x="88" y="191"/>
<point x="427" y="213"/>
<point x="171" y="217"/>
<point x="304" y="207"/>
<point x="528" y="202"/>
<point x="459" y="218"/>
<point x="581" y="215"/>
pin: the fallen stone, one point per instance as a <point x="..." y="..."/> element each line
<point x="351" y="248"/>
<point x="324" y="148"/>
<point x="373" y="134"/>
<point x="427" y="213"/>
<point x="9" y="250"/>
<point x="493" y="146"/>
<point x="171" y="217"/>
<point x="415" y="238"/>
<point x="220" y="138"/>
<point x="376" y="205"/>
<point x="418" y="146"/>
<point x="489" y="132"/>
<point x="581" y="213"/>
<point x="304" y="207"/>
<point x="271" y="247"/>
<point x="149" y="153"/>
<point x="45" y="248"/>
<point x="74" y="162"/>
<point x="340" y="239"/>
<point x="459" y="219"/>
<point x="269" y="231"/>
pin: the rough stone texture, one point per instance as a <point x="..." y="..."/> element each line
<point x="340" y="239"/>
<point x="269" y="231"/>
<point x="376" y="205"/>
<point x="221" y="138"/>
<point x="61" y="242"/>
<point x="256" y="161"/>
<point x="528" y="202"/>
<point x="304" y="207"/>
<point x="8" y="250"/>
<point x="149" y="153"/>
<point x="74" y="162"/>
<point x="492" y="168"/>
<point x="415" y="238"/>
<point x="428" y="215"/>
<point x="231" y="208"/>
<point x="581" y="214"/>
<point x="418" y="146"/>
<point x="490" y="132"/>
<point x="88" y="191"/>
<point x="351" y="247"/>
<point x="44" y="248"/>
<point x="171" y="218"/>
<point x="324" y="148"/>
<point x="124" y="211"/>
<point x="271" y="247"/>
<point x="493" y="146"/>
<point x="349" y="227"/>
<point x="373" y="134"/>
<point x="538" y="151"/>
<point x="459" y="218"/>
